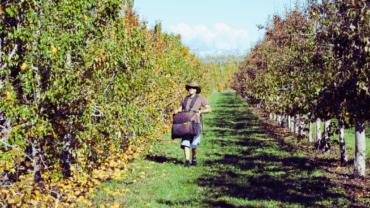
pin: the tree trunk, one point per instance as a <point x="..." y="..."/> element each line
<point x="35" y="160"/>
<point x="310" y="139"/>
<point x="66" y="155"/>
<point x="359" y="161"/>
<point x="342" y="143"/>
<point x="318" y="131"/>
<point x="302" y="126"/>
<point x="279" y="119"/>
<point x="7" y="128"/>
<point x="296" y="124"/>
<point x="292" y="123"/>
<point x="283" y="121"/>
<point x="274" y="116"/>
<point x="326" y="135"/>
<point x="289" y="121"/>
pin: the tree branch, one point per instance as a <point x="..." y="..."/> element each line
<point x="108" y="84"/>
<point x="10" y="57"/>
<point x="16" y="149"/>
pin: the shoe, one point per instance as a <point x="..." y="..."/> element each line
<point x="194" y="163"/>
<point x="187" y="165"/>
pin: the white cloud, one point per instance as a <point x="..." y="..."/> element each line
<point x="220" y="38"/>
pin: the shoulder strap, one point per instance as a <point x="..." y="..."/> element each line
<point x="193" y="101"/>
<point x="191" y="105"/>
<point x="184" y="103"/>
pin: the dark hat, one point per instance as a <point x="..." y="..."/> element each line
<point x="195" y="85"/>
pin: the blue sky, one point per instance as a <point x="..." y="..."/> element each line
<point x="208" y="26"/>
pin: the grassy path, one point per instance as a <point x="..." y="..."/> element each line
<point x="240" y="164"/>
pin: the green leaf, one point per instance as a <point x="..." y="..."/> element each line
<point x="9" y="11"/>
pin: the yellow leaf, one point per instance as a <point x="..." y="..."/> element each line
<point x="23" y="67"/>
<point x="115" y="205"/>
<point x="8" y="95"/>
<point x="54" y="49"/>
<point x="5" y="191"/>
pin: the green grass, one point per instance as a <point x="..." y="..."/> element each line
<point x="239" y="165"/>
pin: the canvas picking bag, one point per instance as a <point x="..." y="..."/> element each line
<point x="184" y="123"/>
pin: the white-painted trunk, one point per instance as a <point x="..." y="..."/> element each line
<point x="342" y="143"/>
<point x="289" y="122"/>
<point x="302" y="126"/>
<point x="274" y="116"/>
<point x="310" y="139"/>
<point x="318" y="131"/>
<point x="279" y="119"/>
<point x="326" y="132"/>
<point x="292" y="123"/>
<point x="296" y="124"/>
<point x="283" y="121"/>
<point x="326" y="129"/>
<point x="359" y="161"/>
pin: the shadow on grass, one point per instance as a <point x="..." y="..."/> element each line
<point x="206" y="203"/>
<point x="161" y="159"/>
<point x="243" y="169"/>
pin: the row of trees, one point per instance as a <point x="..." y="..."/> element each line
<point x="221" y="68"/>
<point x="81" y="81"/>
<point x="314" y="62"/>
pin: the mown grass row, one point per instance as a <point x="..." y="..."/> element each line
<point x="240" y="165"/>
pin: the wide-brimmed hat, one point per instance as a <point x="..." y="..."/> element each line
<point x="195" y="85"/>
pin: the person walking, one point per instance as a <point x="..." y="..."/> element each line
<point x="193" y="142"/>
